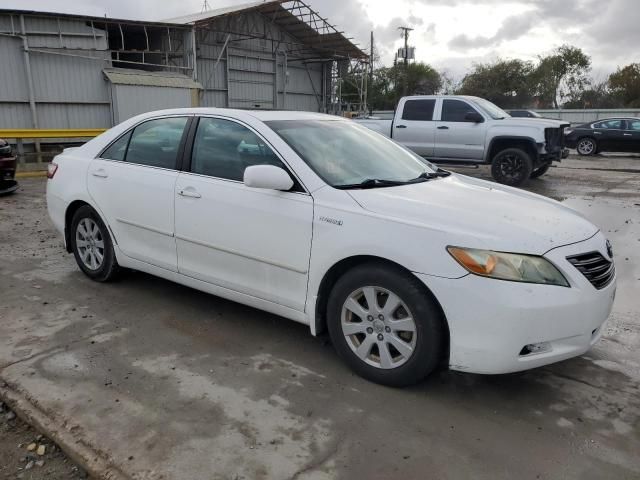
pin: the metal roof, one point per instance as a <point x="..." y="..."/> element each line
<point x="121" y="76"/>
<point x="293" y="16"/>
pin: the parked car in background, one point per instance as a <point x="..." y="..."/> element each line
<point x="7" y="169"/>
<point x="607" y="135"/>
<point x="524" y="114"/>
<point x="471" y="130"/>
<point x="322" y="221"/>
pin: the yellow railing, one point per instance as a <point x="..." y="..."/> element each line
<point x="21" y="133"/>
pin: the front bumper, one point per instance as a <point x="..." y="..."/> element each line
<point x="492" y="321"/>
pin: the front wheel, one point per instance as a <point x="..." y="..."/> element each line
<point x="587" y="147"/>
<point x="512" y="167"/>
<point x="91" y="245"/>
<point x="385" y="326"/>
<point x="538" y="172"/>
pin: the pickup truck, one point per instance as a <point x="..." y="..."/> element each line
<point x="472" y="130"/>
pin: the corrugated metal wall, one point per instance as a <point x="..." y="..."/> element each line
<point x="248" y="74"/>
<point x="69" y="90"/>
<point x="131" y="100"/>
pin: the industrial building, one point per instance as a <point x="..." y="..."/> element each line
<point x="61" y="71"/>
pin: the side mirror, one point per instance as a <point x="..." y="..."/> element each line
<point x="267" y="176"/>
<point x="474" y="117"/>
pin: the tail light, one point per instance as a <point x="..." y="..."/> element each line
<point x="52" y="168"/>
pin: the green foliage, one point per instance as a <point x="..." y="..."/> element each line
<point x="563" y="74"/>
<point x="389" y="84"/>
<point x="625" y="85"/>
<point x="507" y="83"/>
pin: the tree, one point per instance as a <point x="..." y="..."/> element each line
<point x="388" y="84"/>
<point x="506" y="83"/>
<point x="596" y="95"/>
<point x="561" y="75"/>
<point x="625" y="85"/>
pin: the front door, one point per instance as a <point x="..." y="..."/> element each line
<point x="253" y="241"/>
<point x="416" y="128"/>
<point x="133" y="182"/>
<point x="456" y="137"/>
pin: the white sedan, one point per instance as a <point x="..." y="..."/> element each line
<point x="327" y="223"/>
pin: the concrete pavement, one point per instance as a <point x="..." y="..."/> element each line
<point x="146" y="379"/>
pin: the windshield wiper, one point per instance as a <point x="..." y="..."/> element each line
<point x="429" y="175"/>
<point x="371" y="183"/>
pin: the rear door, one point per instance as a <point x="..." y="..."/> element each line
<point x="456" y="137"/>
<point x="415" y="128"/>
<point x="132" y="183"/>
<point x="632" y="136"/>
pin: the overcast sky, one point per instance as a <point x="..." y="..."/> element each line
<point x="449" y="34"/>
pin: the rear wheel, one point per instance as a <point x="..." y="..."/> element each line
<point x="512" y="166"/>
<point x="538" y="172"/>
<point x="587" y="146"/>
<point x="384" y="326"/>
<point x="91" y="245"/>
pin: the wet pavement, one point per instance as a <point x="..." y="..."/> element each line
<point x="148" y="379"/>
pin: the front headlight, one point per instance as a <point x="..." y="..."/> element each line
<point x="568" y="131"/>
<point x="508" y="266"/>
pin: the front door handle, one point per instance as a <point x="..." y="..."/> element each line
<point x="101" y="172"/>
<point x="401" y="126"/>
<point x="443" y="127"/>
<point x="189" y="192"/>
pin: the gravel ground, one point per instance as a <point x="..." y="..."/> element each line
<point x="20" y="448"/>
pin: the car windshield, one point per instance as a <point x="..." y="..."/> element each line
<point x="345" y="154"/>
<point x="490" y="109"/>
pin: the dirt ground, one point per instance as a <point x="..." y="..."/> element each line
<point x="145" y="379"/>
<point x="18" y="462"/>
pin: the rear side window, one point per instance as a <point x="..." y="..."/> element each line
<point x="155" y="143"/>
<point x="633" y="125"/>
<point x="223" y="149"/>
<point x="118" y="149"/>
<point x="418" y="110"/>
<point x="456" y="110"/>
<point x="610" y="125"/>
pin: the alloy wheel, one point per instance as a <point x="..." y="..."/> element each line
<point x="511" y="166"/>
<point x="379" y="327"/>
<point x="90" y="243"/>
<point x="586" y="146"/>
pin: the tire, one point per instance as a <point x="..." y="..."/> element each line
<point x="512" y="167"/>
<point x="587" y="146"/>
<point x="538" y="172"/>
<point x="92" y="246"/>
<point x="377" y="334"/>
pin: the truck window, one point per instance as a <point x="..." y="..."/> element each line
<point x="418" y="110"/>
<point x="456" y="110"/>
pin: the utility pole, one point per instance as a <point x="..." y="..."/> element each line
<point x="370" y="86"/>
<point x="406" y="31"/>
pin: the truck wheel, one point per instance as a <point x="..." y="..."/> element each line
<point x="512" y="167"/>
<point x="538" y="172"/>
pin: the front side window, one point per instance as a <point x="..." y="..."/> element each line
<point x="456" y="111"/>
<point x="156" y="143"/>
<point x="420" y="110"/>
<point x="344" y="153"/>
<point x="610" y="125"/>
<point x="224" y="149"/>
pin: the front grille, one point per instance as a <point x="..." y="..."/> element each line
<point x="598" y="270"/>
<point x="554" y="138"/>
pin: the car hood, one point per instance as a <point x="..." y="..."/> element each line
<point x="536" y="122"/>
<point x="475" y="213"/>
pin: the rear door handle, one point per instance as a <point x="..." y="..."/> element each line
<point x="443" y="127"/>
<point x="189" y="192"/>
<point x="401" y="126"/>
<point x="628" y="134"/>
<point x="101" y="172"/>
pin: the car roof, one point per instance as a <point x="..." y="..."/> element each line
<point x="263" y="115"/>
